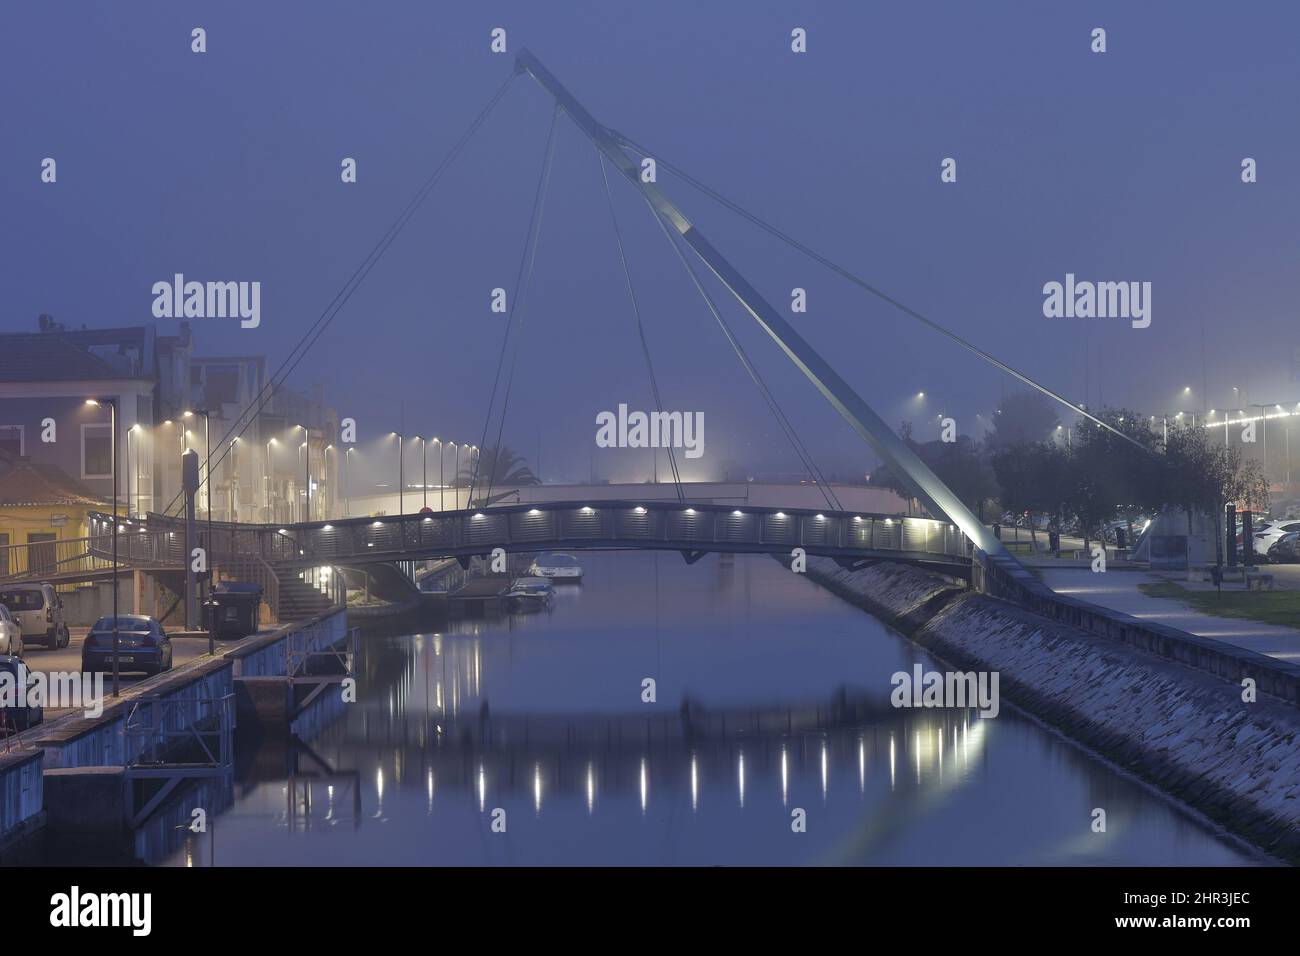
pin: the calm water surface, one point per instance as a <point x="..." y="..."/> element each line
<point x="771" y="697"/>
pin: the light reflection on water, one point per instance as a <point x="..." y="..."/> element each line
<point x="771" y="697"/>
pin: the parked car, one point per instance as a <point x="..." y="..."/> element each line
<point x="557" y="567"/>
<point x="1286" y="549"/>
<point x="18" y="715"/>
<point x="1269" y="536"/>
<point x="143" y="645"/>
<point x="38" y="609"/>
<point x="11" y="634"/>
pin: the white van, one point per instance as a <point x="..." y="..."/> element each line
<point x="38" y="610"/>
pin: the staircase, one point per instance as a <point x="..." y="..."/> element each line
<point x="298" y="600"/>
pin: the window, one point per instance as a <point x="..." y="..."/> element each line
<point x="97" y="451"/>
<point x="11" y="439"/>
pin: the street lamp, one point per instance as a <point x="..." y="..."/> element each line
<point x="207" y="495"/>
<point x="133" y="430"/>
<point x="347" y="483"/>
<point x="424" y="469"/>
<point x="326" y="469"/>
<point x="306" y="470"/>
<point x="207" y="457"/>
<point x="112" y="406"/>
<point x="270" y="507"/>
<point x="401" y="471"/>
<point x="442" y="481"/>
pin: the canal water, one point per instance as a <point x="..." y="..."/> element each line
<point x="527" y="740"/>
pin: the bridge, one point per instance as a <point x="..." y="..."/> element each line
<point x="269" y="554"/>
<point x="952" y="540"/>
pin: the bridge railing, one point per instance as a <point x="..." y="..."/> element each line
<point x="66" y="558"/>
<point x="605" y="525"/>
<point x="553" y="525"/>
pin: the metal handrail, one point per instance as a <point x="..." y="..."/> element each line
<point x="155" y="724"/>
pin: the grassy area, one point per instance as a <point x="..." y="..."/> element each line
<point x="1267" y="607"/>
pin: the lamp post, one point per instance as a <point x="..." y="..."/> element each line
<point x="442" y="480"/>
<point x="473" y="464"/>
<point x="207" y="459"/>
<point x="112" y="407"/>
<point x="347" y="484"/>
<point x="129" y="432"/>
<point x="401" y="472"/>
<point x="325" y="470"/>
<point x="424" y="470"/>
<point x="306" y="471"/>
<point x="207" y="497"/>
<point x="270" y="507"/>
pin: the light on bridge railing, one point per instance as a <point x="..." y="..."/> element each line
<point x="821" y="517"/>
<point x="586" y="509"/>
<point x="639" y="510"/>
<point x="534" y="511"/>
<point x="328" y="527"/>
<point x="478" y="515"/>
<point x="779" y="514"/>
<point x="690" y="511"/>
<point x="376" y="524"/>
<point x="738" y="513"/>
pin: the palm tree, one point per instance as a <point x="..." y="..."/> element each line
<point x="498" y="469"/>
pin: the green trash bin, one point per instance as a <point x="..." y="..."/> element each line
<point x="234" y="609"/>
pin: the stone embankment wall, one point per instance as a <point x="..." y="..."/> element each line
<point x="1185" y="730"/>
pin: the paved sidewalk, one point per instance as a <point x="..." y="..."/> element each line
<point x="1118" y="590"/>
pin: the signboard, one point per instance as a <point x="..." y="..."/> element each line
<point x="58" y="521"/>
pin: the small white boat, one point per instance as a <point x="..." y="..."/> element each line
<point x="557" y="567"/>
<point x="529" y="594"/>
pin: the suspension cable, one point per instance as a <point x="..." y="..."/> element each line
<point x="636" y="313"/>
<point x="346" y="292"/>
<point x="519" y="298"/>
<point x="863" y="284"/>
<point x="832" y="500"/>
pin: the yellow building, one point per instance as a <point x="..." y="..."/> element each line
<point x="40" y="505"/>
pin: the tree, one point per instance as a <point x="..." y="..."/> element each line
<point x="1203" y="475"/>
<point x="1024" y="418"/>
<point x="498" y="468"/>
<point x="1031" y="478"/>
<point x="960" y="465"/>
<point x="1118" y="475"/>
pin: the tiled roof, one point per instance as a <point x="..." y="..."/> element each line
<point x="66" y="356"/>
<point x="25" y="482"/>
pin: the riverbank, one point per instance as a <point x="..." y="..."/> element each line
<point x="1183" y="730"/>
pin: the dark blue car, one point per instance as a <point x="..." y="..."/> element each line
<point x="21" y="714"/>
<point x="143" y="646"/>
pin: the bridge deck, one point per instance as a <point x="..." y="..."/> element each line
<point x="607" y="525"/>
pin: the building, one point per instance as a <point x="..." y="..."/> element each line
<point x="59" y="389"/>
<point x="40" y="505"/>
<point x="262" y="465"/>
<point x="58" y="392"/>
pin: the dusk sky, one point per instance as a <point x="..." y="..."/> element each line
<point x="1122" y="166"/>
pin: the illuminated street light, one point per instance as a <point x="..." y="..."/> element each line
<point x="112" y="407"/>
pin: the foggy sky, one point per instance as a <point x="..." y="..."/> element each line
<point x="225" y="166"/>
